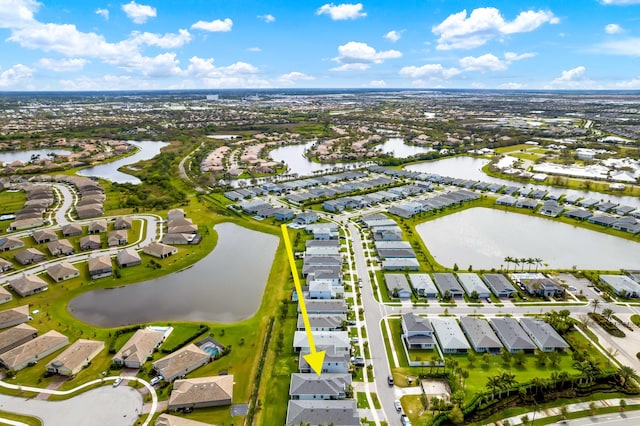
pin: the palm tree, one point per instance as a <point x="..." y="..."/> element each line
<point x="530" y="262"/>
<point x="523" y="261"/>
<point x="607" y="313"/>
<point x="508" y="260"/>
<point x="595" y="303"/>
<point x="538" y="262"/>
<point x="625" y="372"/>
<point x="516" y="261"/>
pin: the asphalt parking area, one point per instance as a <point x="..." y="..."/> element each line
<point x="104" y="406"/>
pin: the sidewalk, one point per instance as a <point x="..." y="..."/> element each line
<point x="571" y="408"/>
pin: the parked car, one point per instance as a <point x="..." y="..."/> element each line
<point x="405" y="420"/>
<point x="398" y="405"/>
<point x="117" y="382"/>
<point x="155" y="380"/>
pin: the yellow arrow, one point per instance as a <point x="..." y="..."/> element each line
<point x="315" y="359"/>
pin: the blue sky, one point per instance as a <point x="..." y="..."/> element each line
<point x="209" y="44"/>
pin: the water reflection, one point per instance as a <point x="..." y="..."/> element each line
<point x="226" y="286"/>
<point x="26" y="156"/>
<point x="483" y="237"/>
<point x="399" y="149"/>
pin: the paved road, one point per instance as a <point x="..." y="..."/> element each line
<point x="103" y="406"/>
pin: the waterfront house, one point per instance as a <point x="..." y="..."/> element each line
<point x="100" y="266"/>
<point x="159" y="250"/>
<point x="128" y="257"/>
<point x="16" y="336"/>
<point x="14" y="316"/>
<point x="138" y="348"/>
<point x="181" y="362"/>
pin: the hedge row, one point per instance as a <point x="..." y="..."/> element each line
<point x="118" y="333"/>
<point x="199" y="332"/>
<point x="607" y="325"/>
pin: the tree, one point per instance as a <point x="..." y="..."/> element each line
<point x="524" y="419"/>
<point x="523" y="261"/>
<point x="625" y="373"/>
<point x="596" y="304"/>
<point x="607" y="313"/>
<point x="486" y="360"/>
<point x="471" y="357"/>
<point x="506" y="422"/>
<point x="564" y="411"/>
<point x="541" y="357"/>
<point x="507" y="357"/>
<point x="455" y="267"/>
<point x="530" y="262"/>
<point x="554" y="359"/>
<point x="623" y="405"/>
<point x="538" y="262"/>
<point x="456" y="416"/>
<point x="474" y="295"/>
<point x="508" y="260"/>
<point x="520" y="358"/>
<point x="592" y="408"/>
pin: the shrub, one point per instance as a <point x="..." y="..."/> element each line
<point x="607" y="325"/>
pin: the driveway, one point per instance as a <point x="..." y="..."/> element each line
<point x="104" y="406"/>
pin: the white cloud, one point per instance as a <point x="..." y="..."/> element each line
<point x="138" y="13"/>
<point x="268" y="18"/>
<point x="393" y="35"/>
<point x="573" y="74"/>
<point x="14" y="75"/>
<point x="619" y="2"/>
<point x="292" y="77"/>
<point x="240" y="74"/>
<point x="573" y="79"/>
<point x="484" y="63"/>
<point x="254" y="49"/>
<point x="63" y="65"/>
<point x="359" y="56"/>
<point x="166" y="41"/>
<point x="626" y="47"/>
<point x="213" y="26"/>
<point x="613" y="29"/>
<point x="104" y="13"/>
<point x="377" y="83"/>
<point x="342" y="11"/>
<point x="483" y="24"/>
<point x="490" y="62"/>
<point x="17" y="13"/>
<point x="512" y="86"/>
<point x="162" y="65"/>
<point x="430" y="71"/>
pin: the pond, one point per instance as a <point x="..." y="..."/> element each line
<point x="226" y="286"/>
<point x="293" y="157"/>
<point x="471" y="168"/>
<point x="399" y="149"/>
<point x="109" y="171"/>
<point x="483" y="237"/>
<point x="26" y="156"/>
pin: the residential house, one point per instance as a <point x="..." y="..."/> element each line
<point x="71" y="229"/>
<point x="75" y="357"/>
<point x="306" y="218"/>
<point x="400" y="264"/>
<point x="627" y="224"/>
<point x="543" y="335"/>
<point x="5" y="295"/>
<point x="97" y="226"/>
<point x="16" y="336"/>
<point x="417" y="332"/>
<point x="514" y="338"/>
<point x="5" y="265"/>
<point x="138" y="348"/>
<point x="42" y="236"/>
<point x="322" y="322"/>
<point x="123" y="222"/>
<point x="34" y="350"/>
<point x="333" y="362"/>
<point x="449" y="335"/>
<point x="181" y="362"/>
<point x="176" y="214"/>
<point x="310" y="386"/>
<point x="472" y="283"/>
<point x="89" y="211"/>
<point x="499" y="285"/>
<point x="283" y="214"/>
<point x="27" y="285"/>
<point x="181" y="226"/>
<point x="128" y="257"/>
<point x="100" y="266"/>
<point x="398" y="286"/>
<point x="159" y="250"/>
<point x="201" y="392"/>
<point x="423" y="285"/>
<point x="392" y="245"/>
<point x="339" y="340"/>
<point x="14" y="316"/>
<point x="90" y="242"/>
<point x="180" y="239"/>
<point x="551" y="208"/>
<point x="324" y="290"/>
<point x="480" y="334"/>
<point x="579" y="214"/>
<point x="21" y="224"/>
<point x="507" y="200"/>
<point x="326" y="307"/>
<point x="10" y="243"/>
<point x="621" y="285"/>
<point x="396" y="253"/>
<point x="62" y="271"/>
<point x="543" y="287"/>
<point x="322" y="412"/>
<point x="446" y="282"/>
<point x="60" y="248"/>
<point x="28" y="256"/>
<point x="117" y="238"/>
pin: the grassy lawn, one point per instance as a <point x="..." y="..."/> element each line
<point x="31" y="421"/>
<point x="11" y="201"/>
<point x="361" y="397"/>
<point x="512" y="148"/>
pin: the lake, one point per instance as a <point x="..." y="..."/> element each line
<point x="293" y="157"/>
<point x="25" y="156"/>
<point x="109" y="171"/>
<point x="226" y="286"/>
<point x="483" y="237"/>
<point x="399" y="149"/>
<point x="471" y="168"/>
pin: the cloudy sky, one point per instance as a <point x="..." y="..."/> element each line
<point x="202" y="44"/>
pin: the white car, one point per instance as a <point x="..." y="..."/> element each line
<point x="155" y="380"/>
<point x="117" y="382"/>
<point x="397" y="404"/>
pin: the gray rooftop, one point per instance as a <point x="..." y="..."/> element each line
<point x="543" y="334"/>
<point x="511" y="334"/>
<point x="447" y="281"/>
<point x="480" y="333"/>
<point x="337" y="413"/>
